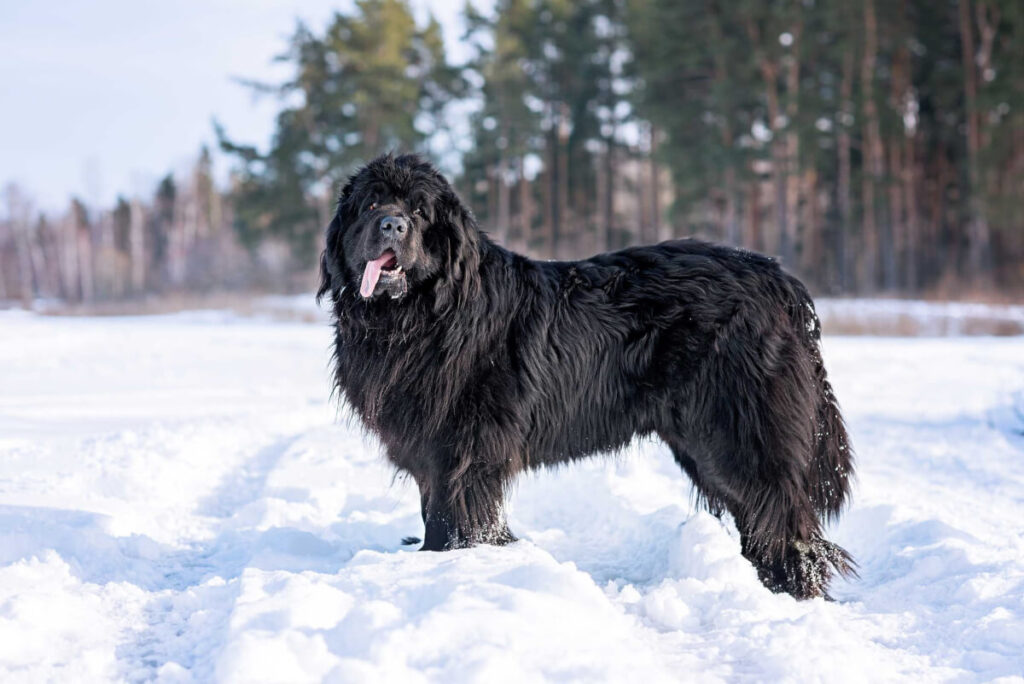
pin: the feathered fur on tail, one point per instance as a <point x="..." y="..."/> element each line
<point x="832" y="466"/>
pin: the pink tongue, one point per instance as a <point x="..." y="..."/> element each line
<point x="372" y="273"/>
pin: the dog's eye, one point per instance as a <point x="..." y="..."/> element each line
<point x="417" y="212"/>
<point x="373" y="205"/>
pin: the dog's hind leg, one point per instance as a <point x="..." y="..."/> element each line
<point x="780" y="533"/>
<point x="713" y="494"/>
<point x="753" y="432"/>
<point x="706" y="494"/>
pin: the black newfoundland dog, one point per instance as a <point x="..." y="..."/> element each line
<point x="473" y="364"/>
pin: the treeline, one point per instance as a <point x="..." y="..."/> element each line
<point x="873" y="146"/>
<point x="179" y="239"/>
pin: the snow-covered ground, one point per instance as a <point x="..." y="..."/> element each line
<point x="180" y="502"/>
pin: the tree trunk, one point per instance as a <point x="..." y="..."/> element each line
<point x="504" y="204"/>
<point x="18" y="213"/>
<point x="910" y="264"/>
<point x="895" y="244"/>
<point x="730" y="214"/>
<point x="68" y="247"/>
<point x="897" y="222"/>
<point x="606" y="198"/>
<point x="525" y="206"/>
<point x="643" y="203"/>
<point x="792" y="149"/>
<point x="137" y="252"/>
<point x="844" y="199"/>
<point x="491" y="224"/>
<point x="105" y="261"/>
<point x="770" y="75"/>
<point x="50" y="246"/>
<point x="978" y="238"/>
<point x="550" y="184"/>
<point x="873" y="170"/>
<point x="753" y="239"/>
<point x="563" y="221"/>
<point x="659" y="232"/>
<point x="86" y="273"/>
<point x="3" y="281"/>
<point x="504" y="194"/>
<point x="26" y="286"/>
<point x="939" y="250"/>
<point x="45" y="285"/>
<point x="811" y="256"/>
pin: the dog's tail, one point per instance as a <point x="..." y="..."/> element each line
<point x="832" y="458"/>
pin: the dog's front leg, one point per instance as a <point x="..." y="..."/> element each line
<point x="466" y="508"/>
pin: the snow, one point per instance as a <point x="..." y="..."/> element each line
<point x="180" y="502"/>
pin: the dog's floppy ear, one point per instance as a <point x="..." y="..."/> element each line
<point x="332" y="254"/>
<point x="333" y="249"/>
<point x="462" y="258"/>
<point x="325" y="278"/>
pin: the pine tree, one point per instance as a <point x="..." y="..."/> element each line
<point x="373" y="82"/>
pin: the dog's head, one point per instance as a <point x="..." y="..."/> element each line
<point x="400" y="228"/>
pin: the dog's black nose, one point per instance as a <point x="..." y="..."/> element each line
<point x="393" y="226"/>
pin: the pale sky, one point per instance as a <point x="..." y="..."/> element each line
<point x="106" y="96"/>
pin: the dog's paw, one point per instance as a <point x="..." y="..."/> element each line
<point x="807" y="569"/>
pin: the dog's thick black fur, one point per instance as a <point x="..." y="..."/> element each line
<point x="472" y="364"/>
